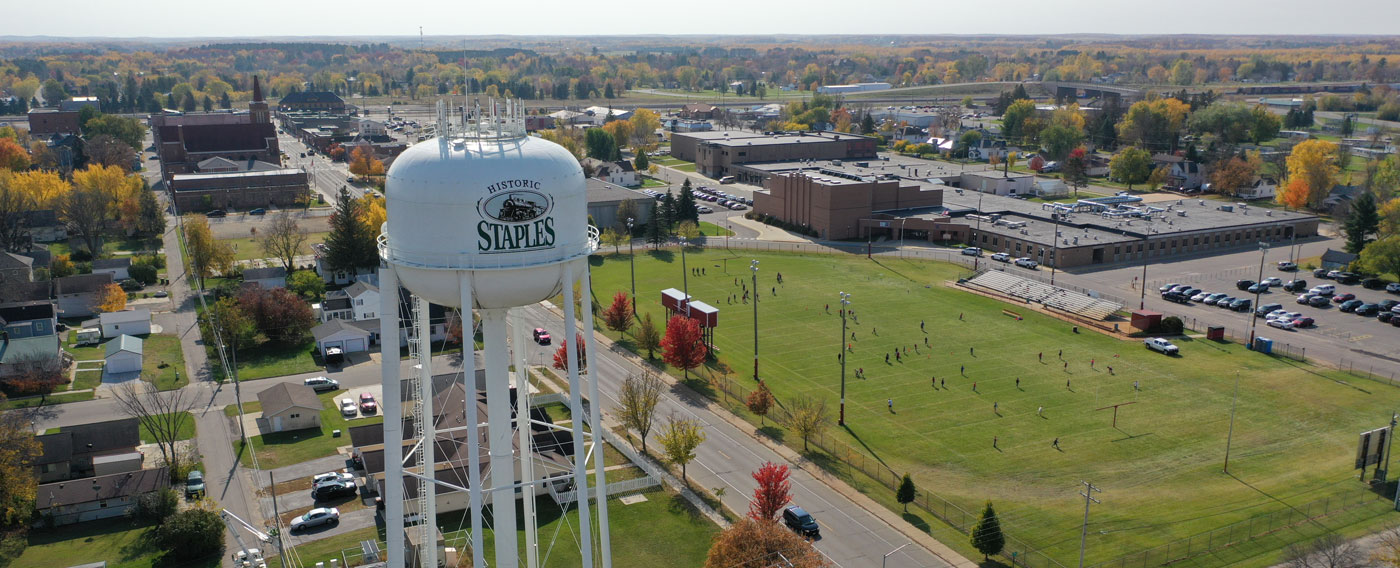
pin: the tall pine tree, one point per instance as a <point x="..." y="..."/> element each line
<point x="656" y="234"/>
<point x="350" y="245"/>
<point x="1362" y="222"/>
<point x="986" y="535"/>
<point x="668" y="211"/>
<point x="686" y="209"/>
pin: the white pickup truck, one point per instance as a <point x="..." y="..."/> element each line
<point x="1162" y="345"/>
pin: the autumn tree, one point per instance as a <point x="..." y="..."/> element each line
<point x="645" y="122"/>
<point x="283" y="239"/>
<point x="111" y="298"/>
<point x="905" y="494"/>
<point x="808" y="417"/>
<point x="561" y="355"/>
<point x="760" y="401"/>
<point x="1234" y="174"/>
<point x="986" y="534"/>
<point x="1314" y="163"/>
<point x="278" y="313"/>
<point x="621" y="131"/>
<point x="774" y="492"/>
<point x="679" y="437"/>
<point x="1076" y="167"/>
<point x="1390" y="218"/>
<point x="753" y="543"/>
<point x="637" y="403"/>
<point x="163" y="416"/>
<point x="612" y="238"/>
<point x="12" y="155"/>
<point x="1013" y="121"/>
<point x="109" y="151"/>
<point x="1131" y="166"/>
<point x="618" y="316"/>
<point x="1154" y="124"/>
<point x="86" y="212"/>
<point x="364" y="164"/>
<point x="208" y="256"/>
<point x="1382" y="256"/>
<point x="61" y="266"/>
<point x="683" y="346"/>
<point x="648" y="337"/>
<point x="18" y="484"/>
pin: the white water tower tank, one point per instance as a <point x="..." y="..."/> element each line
<point x="487" y="199"/>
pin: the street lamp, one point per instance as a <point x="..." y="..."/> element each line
<point x="753" y="267"/>
<point x="1142" y="302"/>
<point x="845" y="301"/>
<point x="887" y="554"/>
<point x="632" y="264"/>
<point x="1258" y="289"/>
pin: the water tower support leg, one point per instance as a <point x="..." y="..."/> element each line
<point x="473" y="450"/>
<point x="393" y="417"/>
<point x="595" y="421"/>
<point x="522" y="427"/>
<point x="576" y="409"/>
<point x="499" y="427"/>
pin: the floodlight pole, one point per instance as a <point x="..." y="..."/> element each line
<point x="632" y="264"/>
<point x="841" y="348"/>
<point x="1258" y="291"/>
<point x="1231" y="434"/>
<point x="1142" y="300"/>
<point x="1389" y="443"/>
<point x="1088" y="493"/>
<point x="1054" y="242"/>
<point x="753" y="266"/>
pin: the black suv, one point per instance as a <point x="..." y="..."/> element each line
<point x="1296" y="285"/>
<point x="1348" y="278"/>
<point x="800" y="521"/>
<point x="1321" y="272"/>
<point x="1244" y="284"/>
<point x="333" y="488"/>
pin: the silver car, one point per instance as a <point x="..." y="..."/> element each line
<point x="315" y="518"/>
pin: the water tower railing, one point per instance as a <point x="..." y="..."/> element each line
<point x="482" y="261"/>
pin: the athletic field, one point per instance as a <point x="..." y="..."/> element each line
<point x="1160" y="469"/>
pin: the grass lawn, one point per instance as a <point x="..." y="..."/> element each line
<point x="86" y="380"/>
<point x="675" y="163"/>
<point x="118" y="541"/>
<point x="249" y="407"/>
<point x="286" y="448"/>
<point x="111" y="246"/>
<point x="162" y="362"/>
<point x="272" y="359"/>
<point x="1159" y="468"/>
<point x="247" y="248"/>
<point x="648" y="181"/>
<point x="50" y="400"/>
<point x="712" y="230"/>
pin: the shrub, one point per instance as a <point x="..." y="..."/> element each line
<point x="156" y="507"/>
<point x="1171" y="325"/>
<point x="143" y="273"/>
<point x="191" y="534"/>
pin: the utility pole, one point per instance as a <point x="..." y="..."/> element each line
<point x="1259" y="289"/>
<point x="841" y="346"/>
<point x="632" y="264"/>
<point x="1088" y="493"/>
<point x="1142" y="301"/>
<point x="1231" y="434"/>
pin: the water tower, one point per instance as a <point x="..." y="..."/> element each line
<point x="485" y="217"/>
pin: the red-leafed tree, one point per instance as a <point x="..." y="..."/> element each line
<point x="683" y="347"/>
<point x="561" y="355"/>
<point x="280" y="314"/>
<point x="618" y="316"/>
<point x="773" y="493"/>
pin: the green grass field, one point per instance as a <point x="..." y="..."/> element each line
<point x="248" y="248"/>
<point x="1159" y="468"/>
<point x="121" y="543"/>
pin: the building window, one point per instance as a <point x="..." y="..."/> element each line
<point x="359" y="302"/>
<point x="102" y="504"/>
<point x="294" y="416"/>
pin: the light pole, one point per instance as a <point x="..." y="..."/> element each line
<point x="753" y="267"/>
<point x="1088" y="493"/>
<point x="1258" y="289"/>
<point x="845" y="301"/>
<point x="901" y="232"/>
<point x="1055" y="243"/>
<point x="887" y="554"/>
<point x="1142" y="302"/>
<point x="1231" y="434"/>
<point x="632" y="264"/>
<point x="977" y="260"/>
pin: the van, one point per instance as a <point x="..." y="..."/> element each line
<point x="727" y="179"/>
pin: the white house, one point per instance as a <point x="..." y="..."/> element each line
<point x="620" y="172"/>
<point x="340" y="333"/>
<point x="123" y="355"/>
<point x="356" y="302"/>
<point x="126" y="322"/>
<point x="1263" y="188"/>
<point x="368" y="127"/>
<point x="340" y="277"/>
<point x="107" y="496"/>
<point x="268" y="278"/>
<point x="117" y="267"/>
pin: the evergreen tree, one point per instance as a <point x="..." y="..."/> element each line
<point x="1362" y="222"/>
<point x="350" y="244"/>
<point x="224" y="101"/>
<point x="986" y="535"/>
<point x="867" y="124"/>
<point x="905" y="494"/>
<point x="1347" y="126"/>
<point x="686" y="209"/>
<point x="171" y="103"/>
<point x="151" y="219"/>
<point x="668" y="211"/>
<point x="208" y="103"/>
<point x="656" y="234"/>
<point x="608" y="92"/>
<point x="1019" y="93"/>
<point x="188" y="104"/>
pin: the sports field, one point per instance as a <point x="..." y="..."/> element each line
<point x="1159" y="469"/>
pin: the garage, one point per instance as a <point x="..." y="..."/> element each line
<point x="340" y="334"/>
<point x="124" y="355"/>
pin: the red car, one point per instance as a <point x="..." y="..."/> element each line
<point x="1339" y="298"/>
<point x="541" y="336"/>
<point x="367" y="403"/>
<point x="1303" y="322"/>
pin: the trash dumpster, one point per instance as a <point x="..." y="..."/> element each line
<point x="1215" y="332"/>
<point x="1264" y="345"/>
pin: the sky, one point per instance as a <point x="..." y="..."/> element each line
<point x="534" y="18"/>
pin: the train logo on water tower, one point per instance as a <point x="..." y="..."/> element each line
<point x="515" y="218"/>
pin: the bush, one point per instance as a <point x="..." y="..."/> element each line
<point x="143" y="273"/>
<point x="82" y="255"/>
<point x="156" y="507"/>
<point x="191" y="534"/>
<point x="1171" y="325"/>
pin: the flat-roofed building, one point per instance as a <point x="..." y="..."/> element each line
<point x="717" y="153"/>
<point x="839" y="205"/>
<point x="283" y="187"/>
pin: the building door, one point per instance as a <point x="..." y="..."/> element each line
<point x="1098" y="255"/>
<point x="276" y="423"/>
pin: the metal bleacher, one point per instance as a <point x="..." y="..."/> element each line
<point x="1045" y="294"/>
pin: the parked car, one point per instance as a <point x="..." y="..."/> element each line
<point x="1241" y="305"/>
<point x="1281" y="324"/>
<point x="1244" y="284"/>
<point x="1368" y="310"/>
<point x="1026" y="262"/>
<point x="194" y="483"/>
<point x="368" y="404"/>
<point x="217" y="213"/>
<point x="1213" y="298"/>
<point x="1393" y="287"/>
<point x="1177" y="297"/>
<point x="1318" y="301"/>
<point x="1303" y="322"/>
<point x="335" y="355"/>
<point x="1271" y="281"/>
<point x="1388" y="304"/>
<point x="348" y="408"/>
<point x="704" y="209"/>
<point x="1386" y="316"/>
<point x="1350" y="305"/>
<point x="1334" y="274"/>
<point x="330" y="476"/>
<point x="1260" y="288"/>
<point x="333" y="488"/>
<point x="541" y="336"/>
<point x="1225" y="302"/>
<point x="161" y="294"/>
<point x="1001" y="257"/>
<point x="1287" y="266"/>
<point x="1321" y="273"/>
<point x="315" y="518"/>
<point x="1346" y="297"/>
<point x="1323" y="290"/>
<point x="1296" y="285"/>
<point x="737" y="207"/>
<point x="1201" y="297"/>
<point x="1373" y="284"/>
<point x="1304" y="298"/>
<point x="321" y="384"/>
<point x="1265" y="309"/>
<point x="1349" y="278"/>
<point x="1161" y="346"/>
<point x="1168" y="287"/>
<point x="258" y="211"/>
<point x="801" y="522"/>
<point x="1395" y="321"/>
<point x="972" y="251"/>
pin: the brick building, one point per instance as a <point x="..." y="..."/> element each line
<point x="45" y="122"/>
<point x="839" y="205"/>
<point x="183" y="143"/>
<point x="312" y="101"/>
<point x="284" y="187"/>
<point x="717" y="153"/>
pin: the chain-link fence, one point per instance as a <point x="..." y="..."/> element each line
<point x="1366" y="369"/>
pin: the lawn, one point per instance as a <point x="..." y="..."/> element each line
<point x="286" y="448"/>
<point x="1159" y="468"/>
<point x="119" y="542"/>
<point x="161" y="361"/>
<point x="636" y="531"/>
<point x="50" y="400"/>
<point x="247" y="248"/>
<point x="271" y="359"/>
<point x="111" y="246"/>
<point x="648" y="181"/>
<point x="712" y="230"/>
<point x="674" y="163"/>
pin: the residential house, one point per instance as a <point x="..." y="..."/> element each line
<point x="104" y="497"/>
<point x="124" y="355"/>
<point x="118" y="267"/>
<point x="698" y="111"/>
<point x="30" y="340"/>
<point x="1338" y="201"/>
<point x="78" y="294"/>
<point x="70" y="151"/>
<point x="619" y="172"/>
<point x="289" y="406"/>
<point x="1337" y="260"/>
<point x="43" y="226"/>
<point x="1181" y="173"/>
<point x="911" y="134"/>
<point x="269" y="278"/>
<point x="340" y="277"/>
<point x="343" y="334"/>
<point x="125" y="322"/>
<point x="25" y="291"/>
<point x="356" y="302"/>
<point x="70" y="453"/>
<point x="15" y="268"/>
<point x="1263" y="188"/>
<point x="987" y="148"/>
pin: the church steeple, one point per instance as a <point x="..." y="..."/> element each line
<point x="257" y="108"/>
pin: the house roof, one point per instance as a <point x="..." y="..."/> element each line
<point x="41" y="218"/>
<point x="95" y="437"/>
<point x="124" y="316"/>
<point x="124" y="262"/>
<point x="29" y="349"/>
<point x="26" y="311"/>
<point x="602" y="191"/>
<point x="284" y="396"/>
<point x="117" y="485"/>
<point x="125" y="342"/>
<point x="264" y="273"/>
<point x="335" y="304"/>
<point x="325" y="330"/>
<point x="220" y="137"/>
<point x="304" y="97"/>
<point x="11" y="260"/>
<point x="359" y="287"/>
<point x="1338" y="257"/>
<point x="699" y="107"/>
<point x="25" y="291"/>
<point x="82" y="283"/>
